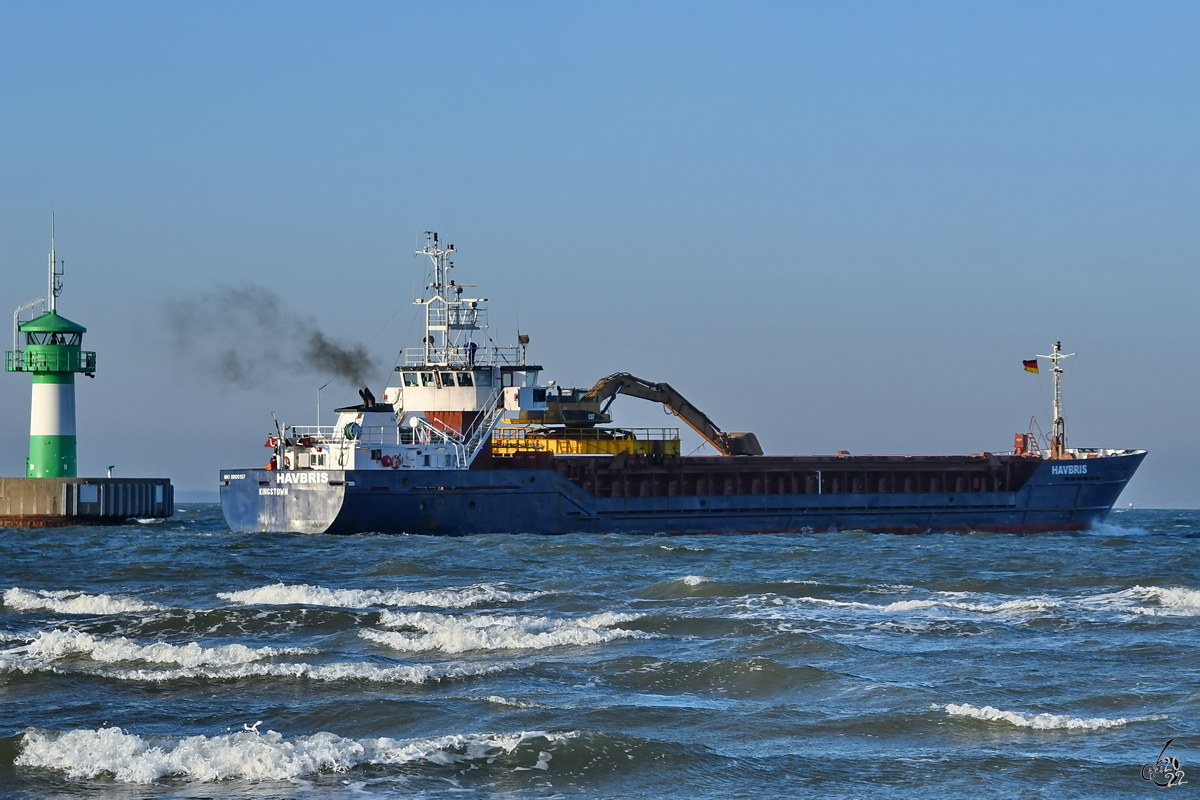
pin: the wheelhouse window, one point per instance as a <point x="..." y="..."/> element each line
<point x="483" y="378"/>
<point x="427" y="379"/>
<point x="506" y="379"/>
<point x="464" y="379"/>
<point x="448" y="379"/>
<point x="410" y="379"/>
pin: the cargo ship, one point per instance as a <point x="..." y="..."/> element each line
<point x="468" y="439"/>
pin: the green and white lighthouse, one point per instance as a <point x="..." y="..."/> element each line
<point x="50" y="346"/>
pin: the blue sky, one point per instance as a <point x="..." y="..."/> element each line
<point x="841" y="226"/>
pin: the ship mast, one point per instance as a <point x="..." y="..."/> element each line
<point x="449" y="317"/>
<point x="435" y="307"/>
<point x="1058" y="432"/>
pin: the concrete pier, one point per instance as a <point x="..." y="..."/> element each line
<point x="58" y="502"/>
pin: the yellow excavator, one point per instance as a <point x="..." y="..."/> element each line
<point x="581" y="411"/>
<point x="730" y="444"/>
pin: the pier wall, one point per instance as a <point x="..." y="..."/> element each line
<point x="56" y="502"/>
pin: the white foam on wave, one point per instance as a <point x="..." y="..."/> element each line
<point x="1040" y="722"/>
<point x="227" y="663"/>
<point x="511" y="702"/>
<point x="1024" y="606"/>
<point x="694" y="580"/>
<point x="10" y="664"/>
<point x="1158" y="601"/>
<point x="889" y="588"/>
<point x="67" y="602"/>
<point x="1178" y="601"/>
<point x="248" y="755"/>
<point x="281" y="594"/>
<point x="1111" y="529"/>
<point x="464" y="633"/>
<point x="416" y="674"/>
<point x="50" y="646"/>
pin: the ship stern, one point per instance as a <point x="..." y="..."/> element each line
<point x="281" y="501"/>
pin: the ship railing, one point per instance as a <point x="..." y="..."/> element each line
<point x="316" y="435"/>
<point x="461" y="356"/>
<point x="424" y="432"/>
<point x="458" y="316"/>
<point x="531" y="436"/>
<point x="318" y="432"/>
<point x="484" y="426"/>
<point x="445" y="429"/>
<point x="427" y="432"/>
<point x="378" y="434"/>
<point x="68" y="360"/>
<point x="1098" y="452"/>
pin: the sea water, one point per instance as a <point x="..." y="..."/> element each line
<point x="177" y="659"/>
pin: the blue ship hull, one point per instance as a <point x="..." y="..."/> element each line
<point x="1055" y="496"/>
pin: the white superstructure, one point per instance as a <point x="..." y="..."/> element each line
<point x="444" y="399"/>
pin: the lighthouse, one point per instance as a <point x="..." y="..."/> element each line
<point x="50" y="347"/>
<point x="51" y="493"/>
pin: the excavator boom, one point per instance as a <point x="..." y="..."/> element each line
<point x="730" y="444"/>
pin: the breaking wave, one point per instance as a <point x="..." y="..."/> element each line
<point x="248" y="755"/>
<point x="280" y="594"/>
<point x="459" y="634"/>
<point x="1138" y="600"/>
<point x="55" y="645"/>
<point x="1041" y="722"/>
<point x="415" y="674"/>
<point x="67" y="602"/>
<point x="1018" y="606"/>
<point x="1176" y="601"/>
<point x="49" y="650"/>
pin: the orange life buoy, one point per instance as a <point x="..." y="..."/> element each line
<point x="386" y="461"/>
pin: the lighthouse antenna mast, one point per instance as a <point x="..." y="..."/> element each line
<point x="56" y="272"/>
<point x="46" y="301"/>
<point x="1058" y="432"/>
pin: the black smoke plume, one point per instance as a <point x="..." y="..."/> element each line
<point x="247" y="336"/>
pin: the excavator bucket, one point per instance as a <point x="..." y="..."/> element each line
<point x="744" y="444"/>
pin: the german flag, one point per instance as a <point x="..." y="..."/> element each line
<point x="1031" y="366"/>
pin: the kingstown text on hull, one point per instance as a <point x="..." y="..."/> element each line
<point x="466" y="439"/>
